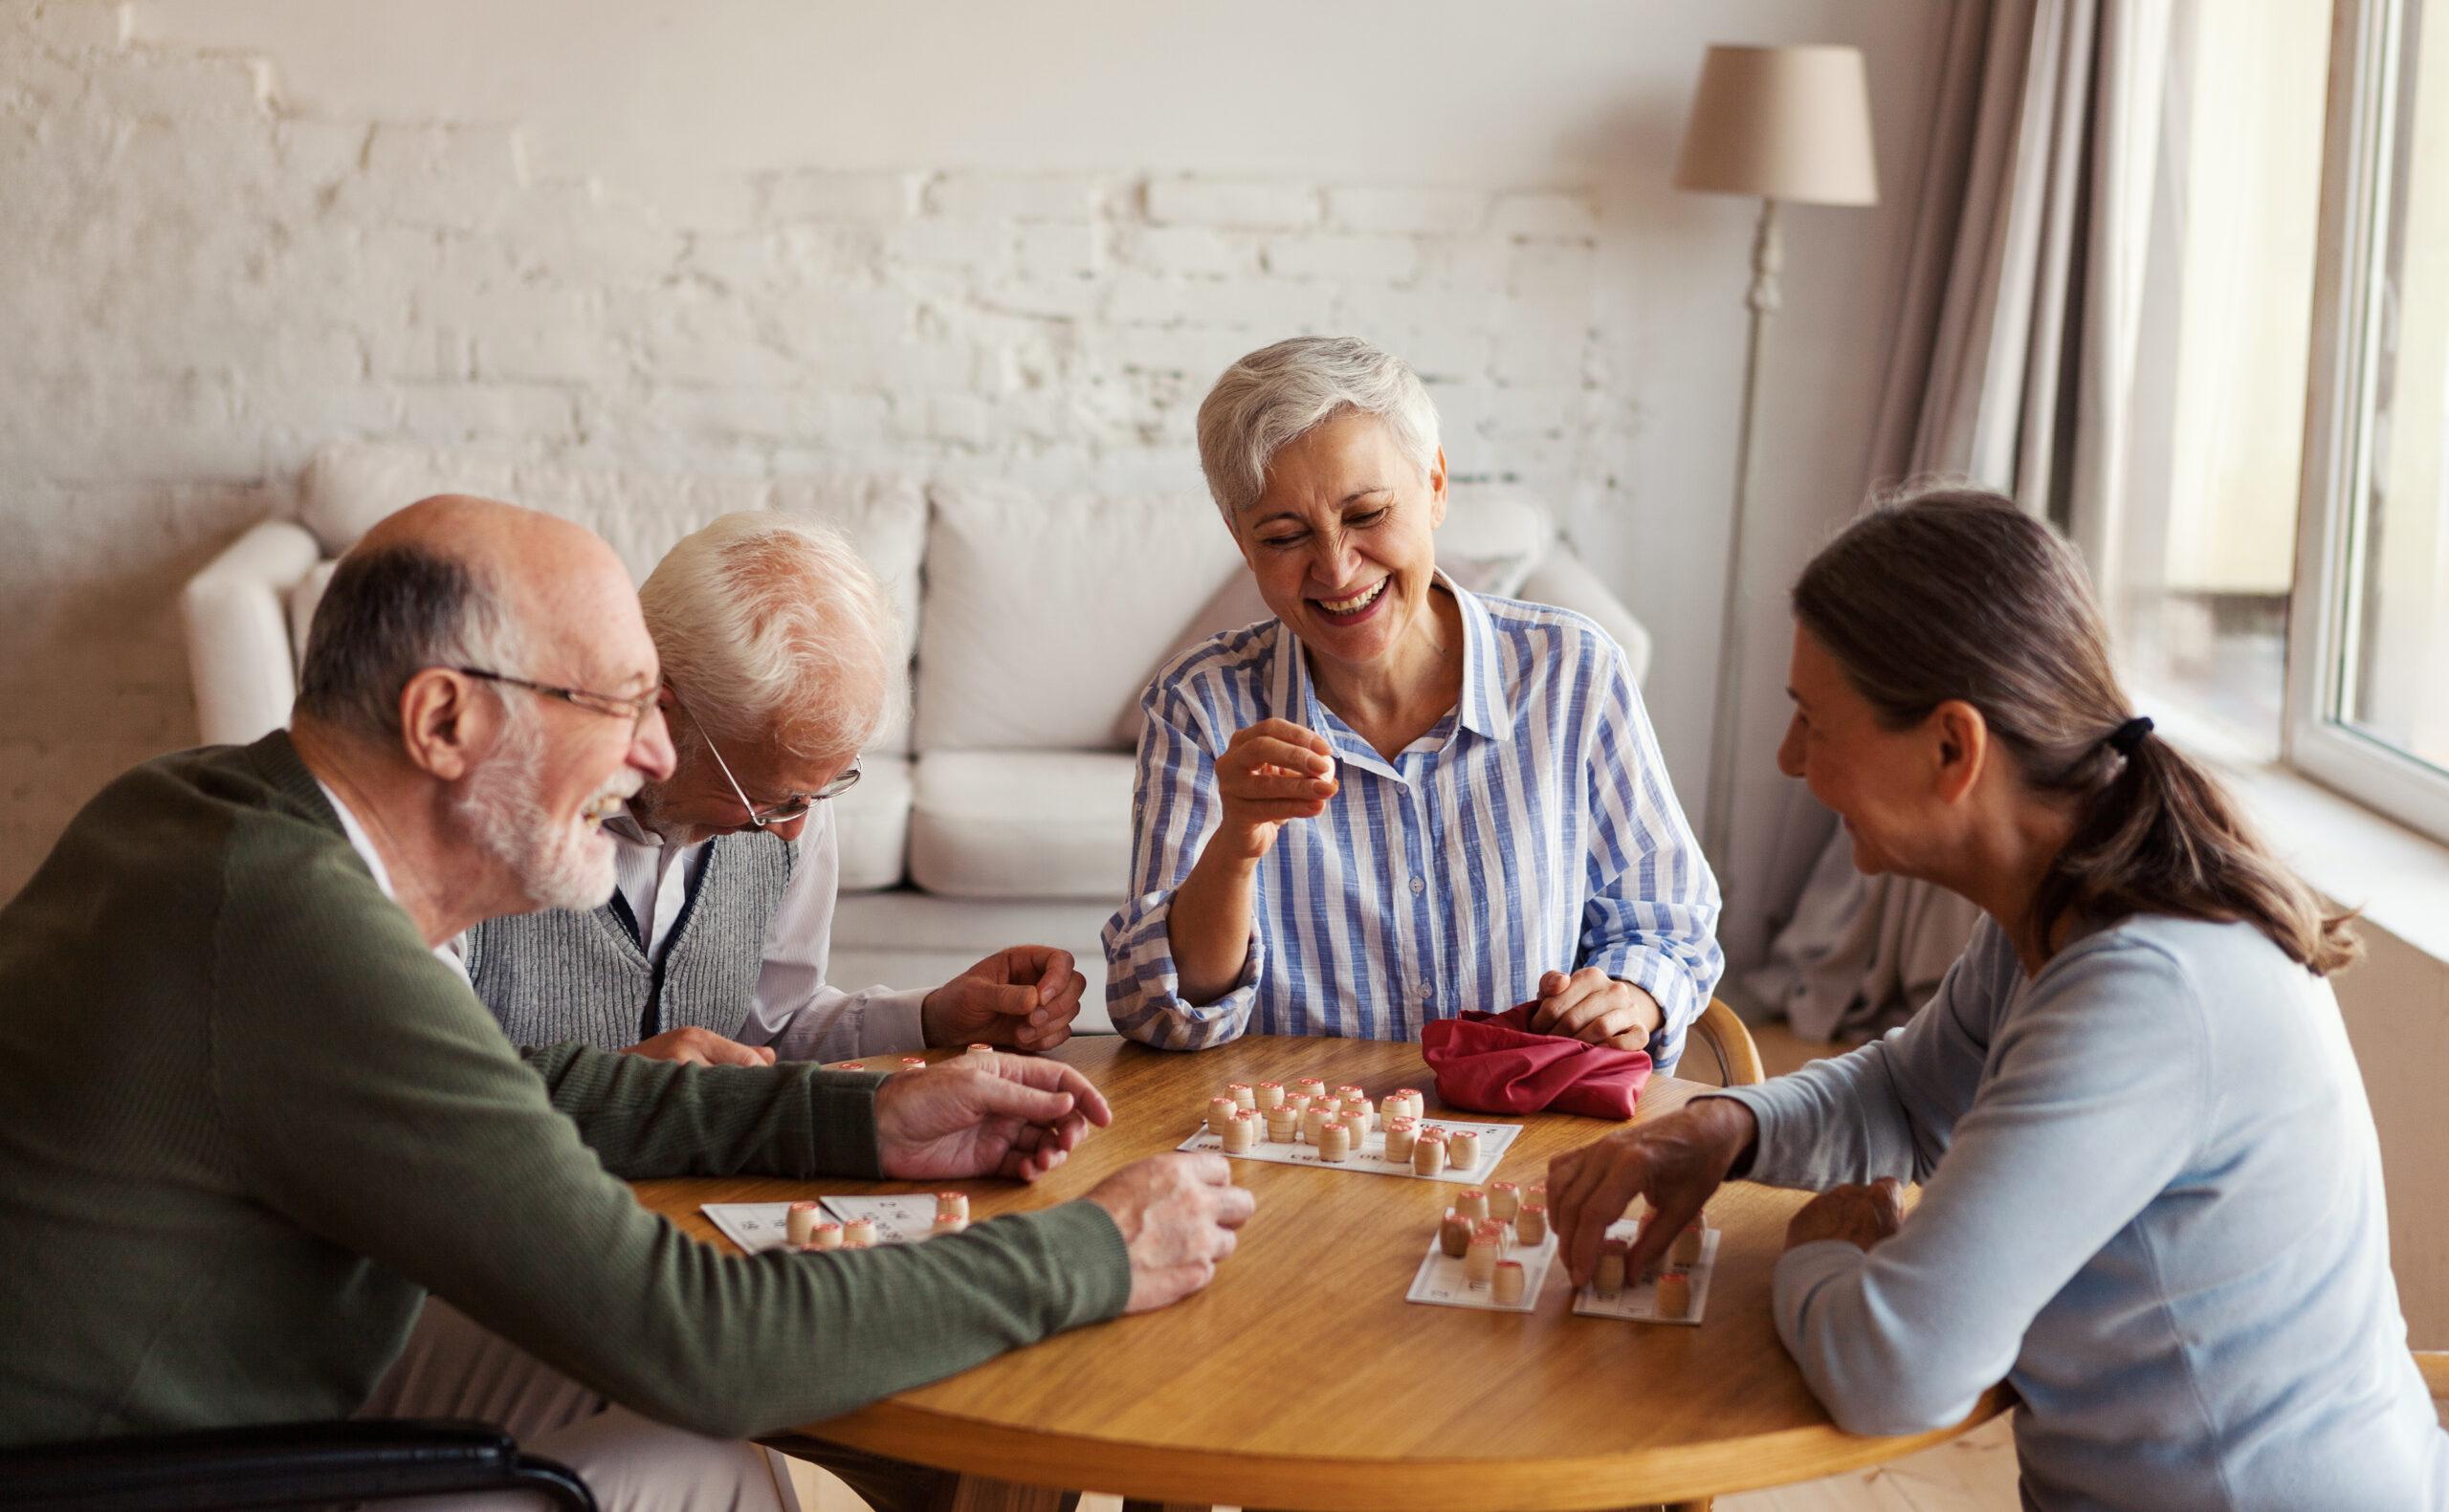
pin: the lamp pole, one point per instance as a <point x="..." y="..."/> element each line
<point x="1768" y="260"/>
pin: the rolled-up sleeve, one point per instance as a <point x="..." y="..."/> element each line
<point x="1652" y="914"/>
<point x="1174" y="811"/>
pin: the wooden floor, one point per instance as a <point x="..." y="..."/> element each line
<point x="1973" y="1474"/>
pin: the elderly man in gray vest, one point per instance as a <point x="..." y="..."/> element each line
<point x="779" y="647"/>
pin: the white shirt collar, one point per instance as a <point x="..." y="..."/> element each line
<point x="363" y="845"/>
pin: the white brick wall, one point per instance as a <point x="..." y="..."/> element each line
<point x="204" y="286"/>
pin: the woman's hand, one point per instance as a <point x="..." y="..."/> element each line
<point x="1676" y="1162"/>
<point x="1595" y="1008"/>
<point x="1860" y="1215"/>
<point x="1272" y="772"/>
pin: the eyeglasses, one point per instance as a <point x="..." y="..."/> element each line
<point x="636" y="711"/>
<point x="790" y="808"/>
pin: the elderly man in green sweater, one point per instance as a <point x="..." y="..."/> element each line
<point x="251" y="1125"/>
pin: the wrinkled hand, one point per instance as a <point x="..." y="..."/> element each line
<point x="1178" y="1215"/>
<point x="985" y="1116"/>
<point x="695" y="1047"/>
<point x="1595" y="1008"/>
<point x="1273" y="772"/>
<point x="1860" y="1215"/>
<point x="1023" y="998"/>
<point x="1676" y="1163"/>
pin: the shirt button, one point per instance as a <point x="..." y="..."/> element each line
<point x="1418" y="885"/>
<point x="1426" y="991"/>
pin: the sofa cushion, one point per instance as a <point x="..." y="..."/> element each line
<point x="1022" y="824"/>
<point x="347" y="488"/>
<point x="873" y="822"/>
<point x="1044" y="613"/>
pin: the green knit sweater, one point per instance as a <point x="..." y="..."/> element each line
<point x="248" y="1121"/>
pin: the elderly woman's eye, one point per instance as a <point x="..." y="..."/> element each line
<point x="1364" y="521"/>
<point x="1284" y="541"/>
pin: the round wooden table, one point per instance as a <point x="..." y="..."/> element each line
<point x="1302" y="1378"/>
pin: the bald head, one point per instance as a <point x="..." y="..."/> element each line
<point x="455" y="580"/>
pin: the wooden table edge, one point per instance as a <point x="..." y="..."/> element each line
<point x="1174" y="1474"/>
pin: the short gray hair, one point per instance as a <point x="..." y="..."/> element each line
<point x="1277" y="394"/>
<point x="769" y="626"/>
<point x="387" y="615"/>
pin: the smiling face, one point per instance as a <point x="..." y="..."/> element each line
<point x="1878" y="781"/>
<point x="1341" y="541"/>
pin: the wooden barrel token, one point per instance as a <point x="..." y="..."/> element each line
<point x="824" y="1236"/>
<point x="1463" y="1150"/>
<point x="1283" y="1122"/>
<point x="1673" y="1298"/>
<point x="1509" y="1282"/>
<point x="952" y="1205"/>
<point x="1610" y="1280"/>
<point x="1399" y="1133"/>
<point x="1335" y="1140"/>
<point x="1504" y="1200"/>
<point x="1453" y="1235"/>
<point x="802" y="1217"/>
<point x="1429" y="1155"/>
<point x="1531" y="1224"/>
<point x="1479" y="1261"/>
<point x="1472" y="1203"/>
<point x="1242" y="1094"/>
<point x="1271" y="1096"/>
<point x="859" y="1234"/>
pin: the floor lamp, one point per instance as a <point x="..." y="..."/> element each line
<point x="1789" y="125"/>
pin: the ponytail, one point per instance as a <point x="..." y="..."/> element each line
<point x="2161" y="836"/>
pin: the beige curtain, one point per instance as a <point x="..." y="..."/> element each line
<point x="2014" y="365"/>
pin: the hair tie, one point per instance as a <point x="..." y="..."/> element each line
<point x="2127" y="737"/>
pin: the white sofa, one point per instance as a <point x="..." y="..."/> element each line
<point x="996" y="804"/>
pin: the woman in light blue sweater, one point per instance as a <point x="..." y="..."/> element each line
<point x="2152" y="1194"/>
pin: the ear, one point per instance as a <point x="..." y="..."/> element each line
<point x="445" y="723"/>
<point x="1963" y="748"/>
<point x="1437" y="490"/>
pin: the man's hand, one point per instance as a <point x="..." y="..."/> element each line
<point x="695" y="1047"/>
<point x="1860" y="1215"/>
<point x="1676" y="1162"/>
<point x="1178" y="1215"/>
<point x="985" y="1116"/>
<point x="1595" y="1008"/>
<point x="1269" y="772"/>
<point x="1020" y="998"/>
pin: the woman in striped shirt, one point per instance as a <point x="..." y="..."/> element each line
<point x="1395" y="800"/>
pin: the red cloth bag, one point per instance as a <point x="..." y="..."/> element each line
<point x="1491" y="1063"/>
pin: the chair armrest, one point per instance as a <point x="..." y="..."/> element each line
<point x="286" y="1464"/>
<point x="239" y="658"/>
<point x="1560" y="578"/>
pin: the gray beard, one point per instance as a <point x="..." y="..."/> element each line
<point x="557" y="866"/>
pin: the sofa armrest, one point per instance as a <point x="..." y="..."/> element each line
<point x="1560" y="578"/>
<point x="239" y="655"/>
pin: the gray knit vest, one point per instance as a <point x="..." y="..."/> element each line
<point x="564" y="975"/>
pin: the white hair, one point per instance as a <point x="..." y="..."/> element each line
<point x="773" y="630"/>
<point x="1277" y="394"/>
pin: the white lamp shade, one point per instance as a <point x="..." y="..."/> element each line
<point x="1782" y="123"/>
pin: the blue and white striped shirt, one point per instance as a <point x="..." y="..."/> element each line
<point x="1531" y="830"/>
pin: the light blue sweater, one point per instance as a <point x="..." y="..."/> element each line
<point x="2151" y="1200"/>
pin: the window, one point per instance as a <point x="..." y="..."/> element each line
<point x="2202" y="565"/>
<point x="2368" y="696"/>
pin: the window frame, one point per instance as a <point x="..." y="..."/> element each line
<point x="2368" y="67"/>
